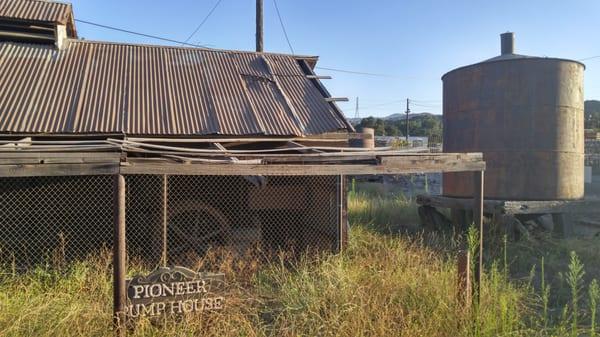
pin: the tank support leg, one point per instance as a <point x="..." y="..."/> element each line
<point x="563" y="225"/>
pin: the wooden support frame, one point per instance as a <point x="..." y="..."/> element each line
<point x="323" y="161"/>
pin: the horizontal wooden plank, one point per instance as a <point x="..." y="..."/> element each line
<point x="30" y="170"/>
<point x="336" y="99"/>
<point x="514" y="207"/>
<point x="489" y="206"/>
<point x="319" y="77"/>
<point x="106" y="156"/>
<point x="443" y="162"/>
<point x="414" y="163"/>
<point x="552" y="206"/>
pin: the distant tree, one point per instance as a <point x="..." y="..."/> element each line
<point x="592" y="114"/>
<point x="421" y="126"/>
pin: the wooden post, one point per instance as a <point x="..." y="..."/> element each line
<point x="164" y="219"/>
<point x="119" y="256"/>
<point x="563" y="227"/>
<point x="464" y="289"/>
<point x="343" y="212"/>
<point x="259" y="26"/>
<point x="478" y="221"/>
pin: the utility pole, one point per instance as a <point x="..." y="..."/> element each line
<point x="407" y="112"/>
<point x="259" y="26"/>
<point x="356" y="114"/>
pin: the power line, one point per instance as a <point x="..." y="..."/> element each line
<point x="283" y="27"/>
<point x="426" y="101"/>
<point x="140" y="34"/>
<point x="356" y="72"/>
<point x="425" y="105"/>
<point x="203" y="21"/>
<point x="589" y="58"/>
<point x="383" y="104"/>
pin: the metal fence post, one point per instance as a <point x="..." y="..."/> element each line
<point x="119" y="256"/>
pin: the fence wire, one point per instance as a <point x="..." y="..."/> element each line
<point x="173" y="220"/>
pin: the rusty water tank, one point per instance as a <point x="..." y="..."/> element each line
<point x="526" y="115"/>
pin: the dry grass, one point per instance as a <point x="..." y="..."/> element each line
<point x="382" y="285"/>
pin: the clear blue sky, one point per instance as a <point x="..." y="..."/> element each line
<point x="415" y="42"/>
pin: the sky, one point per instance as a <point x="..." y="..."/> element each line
<point x="408" y="44"/>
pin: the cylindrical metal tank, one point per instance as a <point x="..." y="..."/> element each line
<point x="526" y="115"/>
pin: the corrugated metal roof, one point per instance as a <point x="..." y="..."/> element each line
<point x="95" y="87"/>
<point x="35" y="10"/>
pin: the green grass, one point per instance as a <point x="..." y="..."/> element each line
<point x="382" y="285"/>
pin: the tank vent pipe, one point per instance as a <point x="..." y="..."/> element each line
<point x="507" y="42"/>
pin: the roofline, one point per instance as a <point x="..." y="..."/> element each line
<point x="216" y="50"/>
<point x="54" y="1"/>
<point x="70" y="5"/>
<point x="69" y="21"/>
<point x="522" y="59"/>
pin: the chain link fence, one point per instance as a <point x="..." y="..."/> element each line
<point x="174" y="220"/>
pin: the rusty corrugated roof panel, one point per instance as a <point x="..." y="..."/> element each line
<point x="35" y="10"/>
<point x="95" y="87"/>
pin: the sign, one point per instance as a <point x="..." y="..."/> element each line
<point x="173" y="291"/>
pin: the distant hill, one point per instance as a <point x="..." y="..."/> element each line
<point x="397" y="117"/>
<point x="427" y="124"/>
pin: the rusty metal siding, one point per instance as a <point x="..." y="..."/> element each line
<point x="526" y="116"/>
<point x="314" y="112"/>
<point x="93" y="87"/>
<point x="35" y="10"/>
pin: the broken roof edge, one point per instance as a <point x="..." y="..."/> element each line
<point x="248" y="136"/>
<point x="312" y="60"/>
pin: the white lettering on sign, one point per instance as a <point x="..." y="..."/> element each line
<point x="175" y="307"/>
<point x="173" y="291"/>
<point x="169" y="289"/>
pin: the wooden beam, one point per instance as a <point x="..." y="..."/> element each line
<point x="413" y="163"/>
<point x="489" y="206"/>
<point x="343" y="210"/>
<point x="22" y="157"/>
<point x="447" y="162"/>
<point x="165" y="201"/>
<point x="552" y="206"/>
<point x="514" y="206"/>
<point x="29" y="170"/>
<point x="45" y="155"/>
<point x="336" y="99"/>
<point x="119" y="257"/>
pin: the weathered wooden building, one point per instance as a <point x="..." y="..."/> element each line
<point x="199" y="149"/>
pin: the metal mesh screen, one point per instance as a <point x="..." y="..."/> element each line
<point x="170" y="219"/>
<point x="244" y="216"/>
<point x="54" y="219"/>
